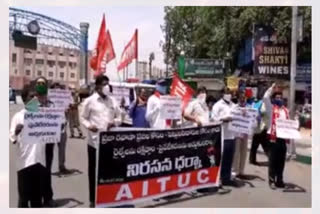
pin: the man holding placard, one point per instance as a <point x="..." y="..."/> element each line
<point x="279" y="123"/>
<point x="197" y="111"/>
<point x="100" y="112"/>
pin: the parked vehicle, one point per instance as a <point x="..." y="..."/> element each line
<point x="12" y="95"/>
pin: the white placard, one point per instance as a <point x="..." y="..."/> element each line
<point x="121" y="92"/>
<point x="287" y="129"/>
<point x="243" y="120"/>
<point x="61" y="98"/>
<point x="170" y="107"/>
<point x="43" y="126"/>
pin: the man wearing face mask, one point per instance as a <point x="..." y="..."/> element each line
<point x="221" y="111"/>
<point x="41" y="88"/>
<point x="197" y="111"/>
<point x="278" y="149"/>
<point x="100" y="112"/>
<point x="153" y="107"/>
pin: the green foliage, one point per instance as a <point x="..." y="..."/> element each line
<point x="212" y="32"/>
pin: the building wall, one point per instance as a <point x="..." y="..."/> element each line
<point x="57" y="64"/>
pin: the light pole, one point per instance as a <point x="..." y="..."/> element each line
<point x="293" y="60"/>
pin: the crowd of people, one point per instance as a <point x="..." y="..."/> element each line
<point x="100" y="112"/>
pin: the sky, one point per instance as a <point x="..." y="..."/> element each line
<point x="122" y="22"/>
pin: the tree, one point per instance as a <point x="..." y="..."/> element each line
<point x="212" y="32"/>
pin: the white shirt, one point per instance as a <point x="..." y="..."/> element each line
<point x="222" y="110"/>
<point x="153" y="113"/>
<point x="99" y="112"/>
<point x="269" y="109"/>
<point x="27" y="154"/>
<point x="198" y="110"/>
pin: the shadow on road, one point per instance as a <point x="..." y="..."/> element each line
<point x="290" y="187"/>
<point x="263" y="163"/>
<point x="63" y="202"/>
<point x="189" y="196"/>
<point x="71" y="172"/>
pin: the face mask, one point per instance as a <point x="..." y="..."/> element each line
<point x="41" y="89"/>
<point x="161" y="89"/>
<point x="106" y="90"/>
<point x="227" y="97"/>
<point x="202" y="98"/>
<point x="32" y="105"/>
<point x="250" y="101"/>
<point x="278" y="103"/>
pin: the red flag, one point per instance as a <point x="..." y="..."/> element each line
<point x="94" y="62"/>
<point x="130" y="52"/>
<point x="181" y="89"/>
<point x="106" y="55"/>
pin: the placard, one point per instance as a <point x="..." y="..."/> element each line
<point x="170" y="107"/>
<point x="287" y="129"/>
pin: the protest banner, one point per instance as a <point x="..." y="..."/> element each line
<point x="120" y="93"/>
<point x="141" y="164"/>
<point x="43" y="126"/>
<point x="287" y="129"/>
<point x="170" y="107"/>
<point x="243" y="120"/>
<point x="61" y="98"/>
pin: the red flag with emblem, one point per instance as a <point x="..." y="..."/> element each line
<point x="181" y="89"/>
<point x="94" y="61"/>
<point x="130" y="52"/>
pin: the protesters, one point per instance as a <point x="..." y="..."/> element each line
<point x="30" y="158"/>
<point x="221" y="111"/>
<point x="277" y="154"/>
<point x="73" y="114"/>
<point x="137" y="110"/>
<point x="260" y="132"/>
<point x="241" y="142"/>
<point x="153" y="107"/>
<point x="197" y="110"/>
<point x="61" y="144"/>
<point x="100" y="112"/>
<point x="41" y="88"/>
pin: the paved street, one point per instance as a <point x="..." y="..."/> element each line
<point x="72" y="190"/>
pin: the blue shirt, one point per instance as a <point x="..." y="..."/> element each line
<point x="138" y="113"/>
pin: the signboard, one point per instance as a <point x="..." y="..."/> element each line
<point x="287" y="129"/>
<point x="243" y="120"/>
<point x="303" y="73"/>
<point x="61" y="98"/>
<point x="43" y="126"/>
<point x="204" y="68"/>
<point x="121" y="92"/>
<point x="170" y="107"/>
<point x="233" y="83"/>
<point x="271" y="54"/>
<point x="137" y="165"/>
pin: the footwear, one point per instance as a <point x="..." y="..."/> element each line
<point x="50" y="204"/>
<point x="64" y="170"/>
<point x="91" y="205"/>
<point x="254" y="163"/>
<point x="72" y="136"/>
<point x="280" y="184"/>
<point x="230" y="183"/>
<point x="272" y="185"/>
<point x="242" y="177"/>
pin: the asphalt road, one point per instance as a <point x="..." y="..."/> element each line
<point x="72" y="190"/>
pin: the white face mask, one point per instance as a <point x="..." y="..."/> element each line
<point x="202" y="98"/>
<point x="106" y="90"/>
<point x="227" y="97"/>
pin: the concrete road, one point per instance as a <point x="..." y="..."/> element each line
<point x="72" y="190"/>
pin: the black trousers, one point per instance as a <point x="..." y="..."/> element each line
<point x="259" y="138"/>
<point x="30" y="186"/>
<point x="277" y="160"/>
<point x="48" y="192"/>
<point x="92" y="173"/>
<point x="227" y="159"/>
